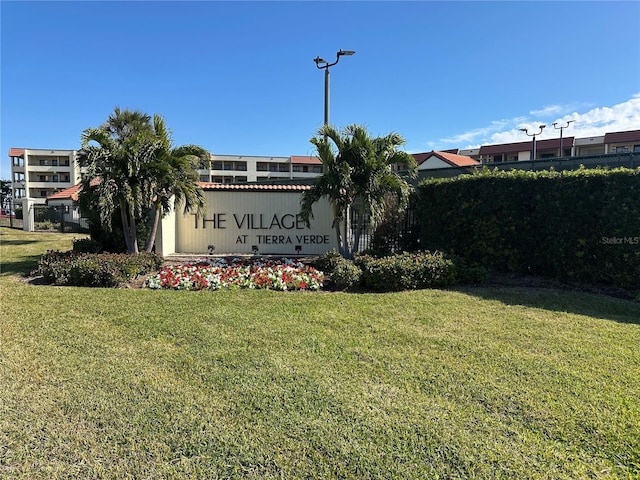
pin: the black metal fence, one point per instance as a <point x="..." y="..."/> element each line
<point x="11" y="215"/>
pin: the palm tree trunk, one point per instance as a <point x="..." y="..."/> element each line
<point x="347" y="234"/>
<point x="359" y="228"/>
<point x="129" y="228"/>
<point x="154" y="228"/>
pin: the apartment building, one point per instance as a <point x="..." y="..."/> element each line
<point x="614" y="142"/>
<point x="247" y="168"/>
<point x="39" y="173"/>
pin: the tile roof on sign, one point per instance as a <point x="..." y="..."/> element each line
<point x="209" y="186"/>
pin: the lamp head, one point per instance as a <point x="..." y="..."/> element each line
<point x="345" y="52"/>
<point x="523" y="129"/>
<point x="542" y="127"/>
<point x="319" y="60"/>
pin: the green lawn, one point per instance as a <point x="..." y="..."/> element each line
<point x="473" y="383"/>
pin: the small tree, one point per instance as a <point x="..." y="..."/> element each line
<point x="358" y="173"/>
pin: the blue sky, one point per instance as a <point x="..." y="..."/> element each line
<point x="239" y="77"/>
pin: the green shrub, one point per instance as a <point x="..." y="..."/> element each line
<point x="407" y="271"/>
<point x="346" y="275"/>
<point x="86" y="245"/>
<point x="327" y="262"/>
<point x="95" y="270"/>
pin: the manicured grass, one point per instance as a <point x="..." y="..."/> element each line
<point x="472" y="383"/>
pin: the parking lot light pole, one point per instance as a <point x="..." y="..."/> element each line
<point x="562" y="128"/>
<point x="541" y="127"/>
<point x="320" y="64"/>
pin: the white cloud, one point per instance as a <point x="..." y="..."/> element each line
<point x="551" y="110"/>
<point x="590" y="123"/>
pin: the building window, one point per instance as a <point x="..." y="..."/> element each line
<point x="624" y="149"/>
<point x="216" y="179"/>
<point x="228" y="165"/>
<point x="43" y="193"/>
<point x="241" y="179"/>
<point x="273" y="167"/>
<point x="296" y="168"/>
<point x="305" y="168"/>
<point x="317" y="169"/>
<point x="217" y="165"/>
<point x="283" y="167"/>
<point x="18" y="162"/>
<point x="636" y="148"/>
<point x="65" y="178"/>
<point x="241" y="166"/>
<point x="204" y="178"/>
<point x="262" y="167"/>
<point x="64" y="163"/>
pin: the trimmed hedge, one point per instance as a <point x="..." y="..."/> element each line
<point x="95" y="270"/>
<point x="407" y="271"/>
<point x="581" y="225"/>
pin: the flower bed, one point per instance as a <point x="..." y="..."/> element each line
<point x="282" y="275"/>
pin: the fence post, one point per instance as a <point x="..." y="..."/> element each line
<point x="28" y="220"/>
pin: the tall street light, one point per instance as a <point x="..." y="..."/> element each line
<point x="320" y="64"/>
<point x="562" y="128"/>
<point x="541" y="127"/>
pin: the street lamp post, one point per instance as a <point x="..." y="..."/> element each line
<point x="541" y="127"/>
<point x="320" y="64"/>
<point x="562" y="128"/>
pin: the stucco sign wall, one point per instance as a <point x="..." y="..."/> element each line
<point x="263" y="222"/>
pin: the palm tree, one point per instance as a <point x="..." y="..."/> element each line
<point x="112" y="156"/>
<point x="173" y="176"/>
<point x="358" y="173"/>
<point x="131" y="165"/>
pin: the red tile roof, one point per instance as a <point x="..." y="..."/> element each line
<point x="525" y="146"/>
<point x="16" y="152"/>
<point x="68" y="193"/>
<point x="420" y="157"/>
<point x="619" y="137"/>
<point x="306" y="160"/>
<point x="253" y="187"/>
<point x="452" y="159"/>
<point x="72" y="192"/>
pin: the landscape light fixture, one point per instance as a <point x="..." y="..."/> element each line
<point x="562" y="128"/>
<point x="541" y="127"/>
<point x="321" y="63"/>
